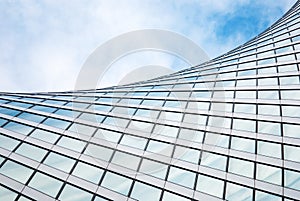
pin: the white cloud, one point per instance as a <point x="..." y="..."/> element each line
<point x="43" y="44"/>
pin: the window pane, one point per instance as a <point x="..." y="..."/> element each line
<point x="133" y="141"/>
<point x="213" y="160"/>
<point x="242" y="144"/>
<point x="153" y="168"/>
<point x="269" y="174"/>
<point x="210" y="185"/>
<point x="182" y="177"/>
<point x="88" y="172"/>
<point x="44" y="135"/>
<point x="98" y="152"/>
<point x="172" y="197"/>
<point x="241" y="167"/>
<point x="126" y="160"/>
<point x="83" y="129"/>
<point x="6" y="194"/>
<point x="292" y="179"/>
<point x="45" y="184"/>
<point x="8" y="143"/>
<point x="71" y="143"/>
<point x="235" y="192"/>
<point x="60" y="162"/>
<point x="160" y="148"/>
<point x="19" y="128"/>
<point x="71" y="193"/>
<point x="57" y="123"/>
<point x="31" y="151"/>
<point x="117" y="183"/>
<point x="16" y="171"/>
<point x="108" y="135"/>
<point x="31" y="117"/>
<point x="144" y="192"/>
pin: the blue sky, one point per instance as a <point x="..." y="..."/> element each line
<point x="43" y="44"/>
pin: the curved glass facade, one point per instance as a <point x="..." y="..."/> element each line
<point x="227" y="129"/>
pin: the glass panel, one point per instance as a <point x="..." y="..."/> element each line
<point x="191" y="135"/>
<point x="108" y="135"/>
<point x="133" y="141"/>
<point x="71" y="193"/>
<point x="6" y="194"/>
<point x="160" y="148"/>
<point x="172" y="197"/>
<point x="91" y="117"/>
<point x="117" y="122"/>
<point x="117" y="183"/>
<point x="187" y="154"/>
<point x="289" y="80"/>
<point x="19" y="128"/>
<point x="245" y="94"/>
<point x="291" y="153"/>
<point x="144" y="192"/>
<point x="242" y="144"/>
<point x="8" y="111"/>
<point x="69" y="113"/>
<point x="290" y="130"/>
<point x="182" y="177"/>
<point x="269" y="149"/>
<point x="2" y="122"/>
<point x="292" y="179"/>
<point x="171" y="116"/>
<point x="268" y="174"/>
<point x="60" y="162"/>
<point x="245" y="125"/>
<point x="235" y="192"/>
<point x="98" y="152"/>
<point x="268" y="110"/>
<point x="210" y="185"/>
<point x="291" y="111"/>
<point x="83" y="129"/>
<point x="269" y="128"/>
<point x="31" y="151"/>
<point x="157" y="103"/>
<point x="44" y="135"/>
<point x="57" y="123"/>
<point x="31" y="117"/>
<point x="16" y="171"/>
<point x="54" y="102"/>
<point x="292" y="95"/>
<point x="195" y="119"/>
<point x="260" y="196"/>
<point x="141" y="126"/>
<point x="249" y="82"/>
<point x="216" y="139"/>
<point x="147" y="113"/>
<point x="153" y="168"/>
<point x="19" y="104"/>
<point x="245" y="108"/>
<point x="241" y="167"/>
<point x="8" y="143"/>
<point x="45" y="184"/>
<point x="44" y="108"/>
<point x="166" y="130"/>
<point x="213" y="160"/>
<point x="126" y="160"/>
<point x="88" y="172"/>
<point x="72" y="144"/>
<point x="124" y="110"/>
<point x="268" y="95"/>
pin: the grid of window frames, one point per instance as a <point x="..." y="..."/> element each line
<point x="226" y="129"/>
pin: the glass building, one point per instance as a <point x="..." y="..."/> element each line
<point x="228" y="129"/>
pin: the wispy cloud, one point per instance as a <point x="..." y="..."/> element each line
<point x="43" y="44"/>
